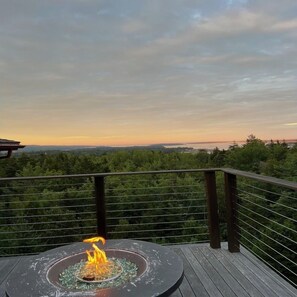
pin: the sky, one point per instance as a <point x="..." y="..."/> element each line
<point x="134" y="72"/>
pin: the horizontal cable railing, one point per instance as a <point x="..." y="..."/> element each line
<point x="163" y="209"/>
<point x="38" y="213"/>
<point x="265" y="223"/>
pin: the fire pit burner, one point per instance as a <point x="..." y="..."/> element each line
<point x="115" y="270"/>
<point x="133" y="263"/>
<point x="159" y="271"/>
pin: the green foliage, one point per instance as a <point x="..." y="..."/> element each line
<point x="248" y="157"/>
<point x="163" y="208"/>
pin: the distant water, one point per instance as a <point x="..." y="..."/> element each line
<point x="207" y="145"/>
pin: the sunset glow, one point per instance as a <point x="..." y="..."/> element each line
<point x="139" y="72"/>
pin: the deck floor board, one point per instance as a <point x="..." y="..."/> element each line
<point x="229" y="278"/>
<point x="265" y="278"/>
<point x="209" y="273"/>
<point x="272" y="274"/>
<point x="233" y="270"/>
<point x="191" y="278"/>
<point x="215" y="276"/>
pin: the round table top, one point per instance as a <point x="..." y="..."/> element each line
<point x="161" y="278"/>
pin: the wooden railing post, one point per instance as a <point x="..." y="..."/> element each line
<point x="231" y="210"/>
<point x="100" y="206"/>
<point x="212" y="206"/>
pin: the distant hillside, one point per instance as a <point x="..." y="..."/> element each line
<point x="42" y="148"/>
<point x="90" y="149"/>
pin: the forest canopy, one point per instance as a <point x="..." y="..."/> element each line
<point x="276" y="159"/>
<point x="165" y="208"/>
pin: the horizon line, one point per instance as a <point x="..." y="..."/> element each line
<point x="164" y="144"/>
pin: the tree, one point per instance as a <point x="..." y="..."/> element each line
<point x="248" y="157"/>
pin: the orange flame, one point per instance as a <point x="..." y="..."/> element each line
<point x="95" y="239"/>
<point x="96" y="257"/>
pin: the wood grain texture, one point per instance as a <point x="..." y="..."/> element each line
<point x="209" y="272"/>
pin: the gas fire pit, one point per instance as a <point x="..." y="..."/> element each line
<point x="134" y="268"/>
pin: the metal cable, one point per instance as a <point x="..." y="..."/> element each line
<point x="49" y="200"/>
<point x="49" y="215"/>
<point x="129" y="180"/>
<point x="172" y="236"/>
<point x="47" y="237"/>
<point x="149" y="188"/>
<point x="38" y="245"/>
<point x="280" y="234"/>
<point x="154" y="216"/>
<point x="261" y="241"/>
<point x="155" y="230"/>
<point x="43" y="194"/>
<point x="265" y="199"/>
<point x="156" y="223"/>
<point x="37" y="186"/>
<point x="146" y="195"/>
<point x="283" y="226"/>
<point x="266" y="262"/>
<point x="270" y="192"/>
<point x="41" y="223"/>
<point x="162" y="208"/>
<point x="42" y="230"/>
<point x="156" y="177"/>
<point x="186" y="242"/>
<point x="49" y="207"/>
<point x="149" y="181"/>
<point x="274" y="212"/>
<point x="153" y="201"/>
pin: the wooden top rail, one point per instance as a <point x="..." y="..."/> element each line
<point x="267" y="179"/>
<point x="109" y="174"/>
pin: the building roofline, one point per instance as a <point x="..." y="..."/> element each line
<point x="9" y="146"/>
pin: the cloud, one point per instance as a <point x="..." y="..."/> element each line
<point x="284" y="26"/>
<point x="134" y="26"/>
<point x="180" y="65"/>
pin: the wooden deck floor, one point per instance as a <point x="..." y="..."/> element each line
<point x="209" y="273"/>
<point x="219" y="273"/>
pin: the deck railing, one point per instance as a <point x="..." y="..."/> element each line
<point x="166" y="207"/>
<point x="263" y="218"/>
